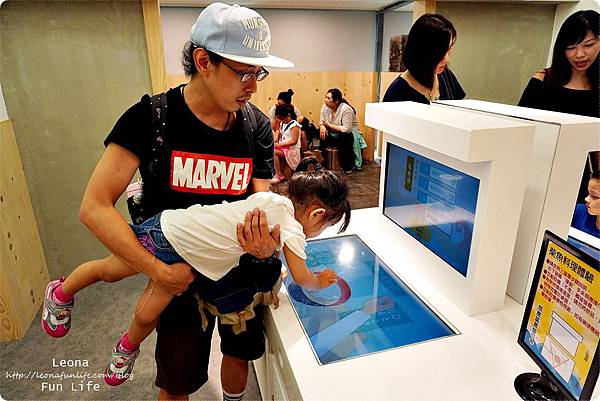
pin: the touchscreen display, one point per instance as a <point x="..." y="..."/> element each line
<point x="433" y="203"/>
<point x="368" y="310"/>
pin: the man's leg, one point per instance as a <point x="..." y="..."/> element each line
<point x="182" y="349"/>
<point x="234" y="375"/>
<point x="164" y="396"/>
<point x="237" y="350"/>
<point x="346" y="150"/>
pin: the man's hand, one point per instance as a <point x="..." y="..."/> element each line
<point x="254" y="235"/>
<point x="175" y="278"/>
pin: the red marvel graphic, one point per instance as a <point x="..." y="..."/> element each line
<point x="209" y="174"/>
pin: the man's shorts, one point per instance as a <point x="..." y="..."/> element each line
<point x="183" y="348"/>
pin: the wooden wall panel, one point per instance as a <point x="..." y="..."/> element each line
<point x="386" y="79"/>
<point x="310" y="88"/>
<point x="23" y="271"/>
<point x="154" y="45"/>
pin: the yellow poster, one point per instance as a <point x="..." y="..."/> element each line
<point x="562" y="329"/>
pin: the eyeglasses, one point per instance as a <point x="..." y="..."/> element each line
<point x="247" y="76"/>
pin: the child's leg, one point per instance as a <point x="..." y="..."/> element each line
<point x="109" y="269"/>
<point x="152" y="302"/>
<point x="58" y="302"/>
<point x="278" y="154"/>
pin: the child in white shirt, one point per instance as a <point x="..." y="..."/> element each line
<point x="287" y="143"/>
<point x="205" y="237"/>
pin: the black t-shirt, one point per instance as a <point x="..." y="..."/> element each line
<point x="450" y="88"/>
<point x="400" y="90"/>
<point x="196" y="163"/>
<point x="539" y="95"/>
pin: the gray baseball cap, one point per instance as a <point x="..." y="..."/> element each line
<point x="236" y="33"/>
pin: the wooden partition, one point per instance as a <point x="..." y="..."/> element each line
<point x="154" y="45"/>
<point x="310" y="88"/>
<point x="23" y="271"/>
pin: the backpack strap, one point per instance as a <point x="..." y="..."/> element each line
<point x="158" y="104"/>
<point x="250" y="125"/>
<point x="237" y="320"/>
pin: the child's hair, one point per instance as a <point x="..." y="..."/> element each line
<point x="286" y="96"/>
<point x="595" y="175"/>
<point x="323" y="187"/>
<point x="306" y="164"/>
<point x="284" y="110"/>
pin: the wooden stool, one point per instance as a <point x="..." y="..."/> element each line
<point x="333" y="159"/>
<point x="316" y="153"/>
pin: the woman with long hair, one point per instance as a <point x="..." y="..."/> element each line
<point x="427" y="53"/>
<point x="570" y="84"/>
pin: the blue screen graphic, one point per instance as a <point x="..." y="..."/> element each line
<point x="368" y="310"/>
<point x="433" y="203"/>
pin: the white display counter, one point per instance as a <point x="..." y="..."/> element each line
<point x="492" y="150"/>
<point x="482" y="360"/>
<point x="562" y="142"/>
<point x="478" y="364"/>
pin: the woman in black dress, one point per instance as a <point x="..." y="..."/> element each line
<point x="570" y="85"/>
<point x="427" y="53"/>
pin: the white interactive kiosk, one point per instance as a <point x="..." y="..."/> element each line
<point x="562" y="142"/>
<point x="447" y="175"/>
<point x="490" y="153"/>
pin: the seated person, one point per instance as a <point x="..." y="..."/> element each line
<point x="308" y="132"/>
<point x="587" y="215"/>
<point x="338" y="120"/>
<point x="283" y="98"/>
<point x="287" y="141"/>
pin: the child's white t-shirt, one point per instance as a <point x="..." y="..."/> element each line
<point x="206" y="236"/>
<point x="286" y="133"/>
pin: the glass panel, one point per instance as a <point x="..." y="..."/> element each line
<point x="368" y="310"/>
<point x="433" y="203"/>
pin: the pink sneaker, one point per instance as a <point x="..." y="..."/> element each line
<point x="120" y="366"/>
<point x="56" y="317"/>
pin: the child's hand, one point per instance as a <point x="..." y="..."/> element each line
<point x="326" y="278"/>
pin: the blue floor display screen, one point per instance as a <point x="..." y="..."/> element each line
<point x="433" y="203"/>
<point x="368" y="310"/>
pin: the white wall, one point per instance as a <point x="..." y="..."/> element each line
<point x="563" y="11"/>
<point x="394" y="23"/>
<point x="313" y="40"/>
<point x="176" y="23"/>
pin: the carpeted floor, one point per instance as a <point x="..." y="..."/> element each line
<point x="30" y="368"/>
